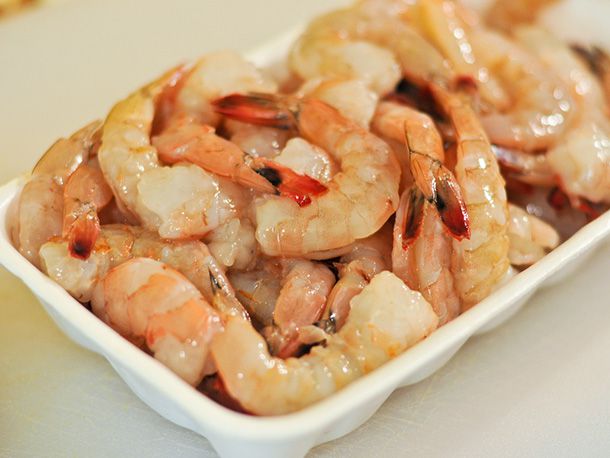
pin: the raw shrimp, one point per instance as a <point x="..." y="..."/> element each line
<point x="530" y="238"/>
<point x="480" y="262"/>
<point x="386" y="318"/>
<point x="581" y="158"/>
<point x="421" y="254"/>
<point x="540" y="107"/>
<point x="356" y="43"/>
<point x="305" y="288"/>
<point x="156" y="307"/>
<point x="367" y="258"/>
<point x="117" y="244"/>
<point x="85" y="194"/>
<point x="359" y="199"/>
<point x="179" y="202"/>
<point x="40" y="207"/>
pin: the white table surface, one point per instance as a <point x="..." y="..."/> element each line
<point x="537" y="386"/>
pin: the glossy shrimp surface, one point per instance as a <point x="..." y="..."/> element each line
<point x="359" y="199"/>
<point x="374" y="332"/>
<point x="480" y="262"/>
<point x="155" y="306"/>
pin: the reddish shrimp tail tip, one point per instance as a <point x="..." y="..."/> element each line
<point x="82" y="235"/>
<point x="450" y="205"/>
<point x="260" y="109"/>
<point x="300" y="188"/>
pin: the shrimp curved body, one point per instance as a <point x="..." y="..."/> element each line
<point x="117" y="244"/>
<point x="194" y="204"/>
<point x="355" y="43"/>
<point x="376" y="331"/>
<point x="480" y="262"/>
<point x="156" y="307"/>
<point x="42" y="197"/>
<point x="359" y="199"/>
<point x="581" y="157"/>
<point x="541" y="106"/>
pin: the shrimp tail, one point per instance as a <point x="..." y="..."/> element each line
<point x="440" y="187"/>
<point x="83" y="232"/>
<point x="413" y="216"/>
<point x="257" y="108"/>
<point x="299" y="188"/>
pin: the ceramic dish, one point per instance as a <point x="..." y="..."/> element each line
<point x="234" y="434"/>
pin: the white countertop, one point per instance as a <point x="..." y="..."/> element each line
<point x="537" y="386"/>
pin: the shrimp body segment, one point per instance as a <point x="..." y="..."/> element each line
<point x="359" y="199"/>
<point x="386" y="318"/>
<point x="480" y="262"/>
<point x="154" y="306"/>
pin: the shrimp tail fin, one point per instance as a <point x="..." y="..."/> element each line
<point x="83" y="232"/>
<point x="299" y="188"/>
<point x="414" y="216"/>
<point x="450" y="204"/>
<point x="257" y="108"/>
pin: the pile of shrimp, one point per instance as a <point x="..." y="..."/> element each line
<point x="271" y="235"/>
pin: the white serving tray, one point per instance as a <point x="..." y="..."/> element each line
<point x="234" y="434"/>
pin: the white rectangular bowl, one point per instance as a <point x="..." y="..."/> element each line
<point x="233" y="434"/>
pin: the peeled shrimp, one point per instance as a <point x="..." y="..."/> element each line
<point x="376" y="331"/>
<point x="530" y="238"/>
<point x="540" y="107"/>
<point x="117" y="244"/>
<point x="179" y="202"/>
<point x="367" y="258"/>
<point x="40" y="207"/>
<point x="156" y="307"/>
<point x="305" y="288"/>
<point x="356" y="43"/>
<point x="480" y="262"/>
<point x="359" y="199"/>
<point x="581" y="157"/>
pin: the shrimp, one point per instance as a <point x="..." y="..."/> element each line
<point x="480" y="262"/>
<point x="359" y="199"/>
<point x="581" y="158"/>
<point x="355" y="43"/>
<point x="367" y="258"/>
<point x="42" y="197"/>
<point x="256" y="141"/>
<point x="421" y="254"/>
<point x="157" y="308"/>
<point x="85" y="194"/>
<point x="540" y="107"/>
<point x="179" y="202"/>
<point x="301" y="302"/>
<point x="117" y="244"/>
<point x="386" y="319"/>
<point x="530" y="237"/>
